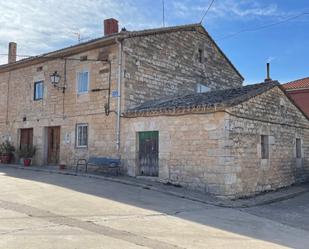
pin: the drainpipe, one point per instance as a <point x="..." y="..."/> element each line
<point x="120" y="49"/>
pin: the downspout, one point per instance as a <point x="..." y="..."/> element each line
<point x="120" y="50"/>
<point x="8" y="100"/>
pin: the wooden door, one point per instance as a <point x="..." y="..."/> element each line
<point x="148" y="155"/>
<point x="53" y="137"/>
<point x="26" y="138"/>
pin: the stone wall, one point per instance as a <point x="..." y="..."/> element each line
<point x="191" y="149"/>
<point x="3" y="97"/>
<point x="272" y="114"/>
<point x="58" y="109"/>
<point x="167" y="64"/>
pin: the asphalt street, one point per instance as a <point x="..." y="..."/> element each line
<point x="44" y="210"/>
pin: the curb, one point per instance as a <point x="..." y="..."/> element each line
<point x="217" y="202"/>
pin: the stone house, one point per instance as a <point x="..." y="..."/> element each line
<point x="167" y="101"/>
<point x="234" y="142"/>
<point x="298" y="90"/>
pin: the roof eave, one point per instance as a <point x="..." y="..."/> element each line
<point x="295" y="89"/>
<point x="103" y="41"/>
<point x="175" y="111"/>
<point x="62" y="53"/>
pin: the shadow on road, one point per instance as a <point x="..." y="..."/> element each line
<point x="231" y="220"/>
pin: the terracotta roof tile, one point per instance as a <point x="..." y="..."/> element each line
<point x="297" y="84"/>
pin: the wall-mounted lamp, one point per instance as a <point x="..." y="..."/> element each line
<point x="55" y="79"/>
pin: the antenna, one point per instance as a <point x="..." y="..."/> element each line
<point x="163" y="13"/>
<point x="206" y="11"/>
<point x="78" y="36"/>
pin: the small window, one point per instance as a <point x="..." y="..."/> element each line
<point x="38" y="90"/>
<point x="83" y="82"/>
<point x="265" y="147"/>
<point x="83" y="58"/>
<point x="200" y="55"/>
<point x="298" y="148"/>
<point x="81" y="135"/>
<point x="200" y="88"/>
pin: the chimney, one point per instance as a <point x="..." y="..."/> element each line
<point x="267" y="73"/>
<point x="12" y="52"/>
<point x="110" y="26"/>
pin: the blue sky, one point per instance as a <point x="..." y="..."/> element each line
<point x="40" y="26"/>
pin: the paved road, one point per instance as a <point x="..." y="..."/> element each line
<point x="42" y="210"/>
<point x="293" y="212"/>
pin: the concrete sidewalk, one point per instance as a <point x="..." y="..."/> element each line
<point x="262" y="199"/>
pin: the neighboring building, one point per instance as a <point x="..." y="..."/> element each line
<point x="298" y="90"/>
<point x="166" y="101"/>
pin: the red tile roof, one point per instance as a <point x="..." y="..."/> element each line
<point x="297" y="84"/>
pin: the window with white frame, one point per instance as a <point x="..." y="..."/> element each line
<point x="38" y="90"/>
<point x="81" y="135"/>
<point x="200" y="88"/>
<point x="83" y="82"/>
<point x="298" y="148"/>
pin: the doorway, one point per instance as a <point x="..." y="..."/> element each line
<point x="148" y="153"/>
<point x="53" y="145"/>
<point x="26" y="138"/>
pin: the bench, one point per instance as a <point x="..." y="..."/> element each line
<point x="101" y="162"/>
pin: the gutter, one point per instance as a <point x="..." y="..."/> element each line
<point x="295" y="89"/>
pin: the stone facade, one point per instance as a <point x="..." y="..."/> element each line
<point x="215" y="149"/>
<point x="220" y="152"/>
<point x="168" y="64"/>
<point x="190" y="148"/>
<point x="154" y="64"/>
<point x="19" y="110"/>
<point x="272" y="114"/>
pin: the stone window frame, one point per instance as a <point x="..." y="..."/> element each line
<point x="78" y="78"/>
<point x="36" y="83"/>
<point x="77" y="145"/>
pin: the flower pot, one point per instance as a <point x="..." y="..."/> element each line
<point x="27" y="162"/>
<point x="6" y="158"/>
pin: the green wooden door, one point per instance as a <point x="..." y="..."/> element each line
<point x="148" y="155"/>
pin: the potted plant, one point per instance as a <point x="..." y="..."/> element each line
<point x="62" y="165"/>
<point x="27" y="153"/>
<point x="6" y="151"/>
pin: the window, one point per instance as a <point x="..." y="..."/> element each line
<point x="38" y="90"/>
<point x="82" y="82"/>
<point x="298" y="148"/>
<point x="264" y="147"/>
<point x="81" y="135"/>
<point x="200" y="56"/>
<point x="200" y="88"/>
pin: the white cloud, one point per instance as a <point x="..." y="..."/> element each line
<point x="40" y="26"/>
<point x="227" y="9"/>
